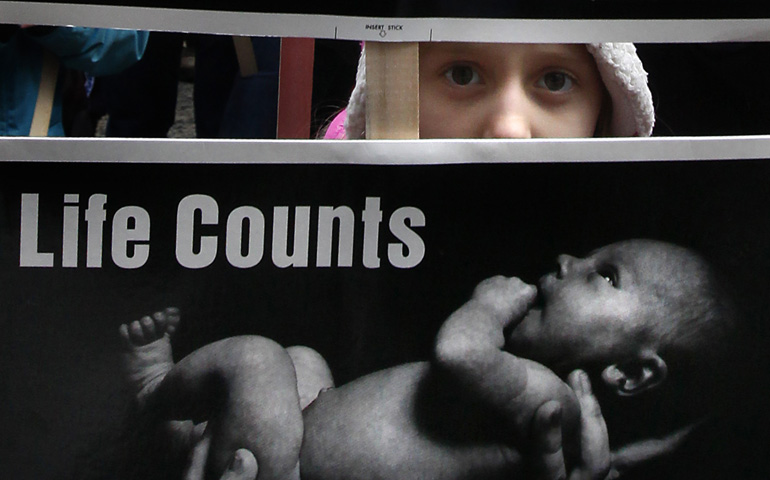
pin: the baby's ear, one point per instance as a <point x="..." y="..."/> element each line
<point x="644" y="372"/>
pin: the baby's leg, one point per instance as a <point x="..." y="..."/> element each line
<point x="147" y="354"/>
<point x="247" y="389"/>
<point x="147" y="358"/>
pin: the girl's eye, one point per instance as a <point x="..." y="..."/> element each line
<point x="609" y="275"/>
<point x="462" y="75"/>
<point x="556" y="81"/>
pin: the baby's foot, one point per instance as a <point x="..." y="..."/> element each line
<point x="148" y="329"/>
<point x="147" y="357"/>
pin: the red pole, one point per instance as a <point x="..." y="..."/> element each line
<point x="295" y="87"/>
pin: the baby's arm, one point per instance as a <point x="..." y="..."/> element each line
<point x="469" y="347"/>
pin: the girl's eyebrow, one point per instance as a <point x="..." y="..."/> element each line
<point x="457" y="48"/>
<point x="567" y="60"/>
<point x="561" y="53"/>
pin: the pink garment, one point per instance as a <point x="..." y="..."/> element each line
<point x="336" y="130"/>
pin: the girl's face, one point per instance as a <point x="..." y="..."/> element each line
<point x="497" y="90"/>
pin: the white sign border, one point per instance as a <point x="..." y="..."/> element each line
<point x="387" y="29"/>
<point x="382" y="152"/>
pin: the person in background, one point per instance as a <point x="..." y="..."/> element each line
<point x="227" y="102"/>
<point x="31" y="54"/>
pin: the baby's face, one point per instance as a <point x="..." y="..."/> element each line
<point x="608" y="305"/>
<point x="498" y="90"/>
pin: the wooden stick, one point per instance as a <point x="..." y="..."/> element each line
<point x="41" y="117"/>
<point x="244" y="51"/>
<point x="393" y="90"/>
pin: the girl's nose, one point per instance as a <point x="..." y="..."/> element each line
<point x="508" y="126"/>
<point x="508" y="116"/>
<point x="566" y="264"/>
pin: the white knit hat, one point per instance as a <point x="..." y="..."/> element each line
<point x="622" y="72"/>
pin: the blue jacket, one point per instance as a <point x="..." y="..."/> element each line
<point x="97" y="51"/>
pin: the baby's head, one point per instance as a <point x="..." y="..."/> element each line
<point x="499" y="90"/>
<point x="630" y="299"/>
<point x="650" y="320"/>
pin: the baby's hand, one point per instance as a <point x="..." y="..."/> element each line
<point x="506" y="297"/>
